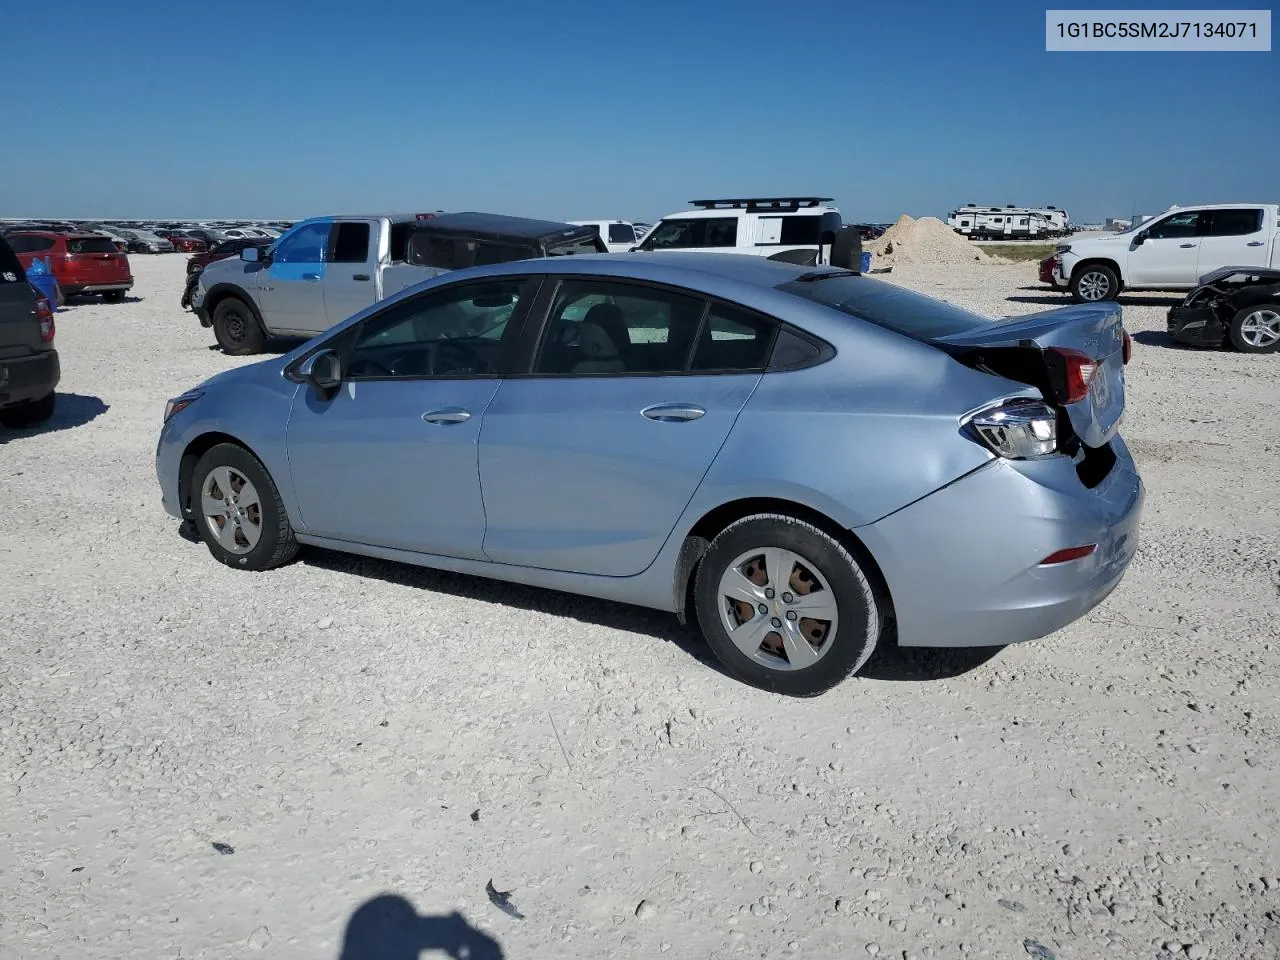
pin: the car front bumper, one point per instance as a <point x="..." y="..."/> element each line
<point x="963" y="564"/>
<point x="29" y="378"/>
<point x="1196" y="326"/>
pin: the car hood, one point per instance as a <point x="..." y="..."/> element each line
<point x="251" y="372"/>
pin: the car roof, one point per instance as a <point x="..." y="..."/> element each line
<point x="500" y="225"/>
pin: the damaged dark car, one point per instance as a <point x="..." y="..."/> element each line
<point x="1235" y="305"/>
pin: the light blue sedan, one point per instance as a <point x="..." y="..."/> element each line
<point x="804" y="461"/>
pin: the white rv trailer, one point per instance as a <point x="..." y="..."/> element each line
<point x="1009" y="222"/>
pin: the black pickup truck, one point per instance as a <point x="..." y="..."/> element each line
<point x="29" y="368"/>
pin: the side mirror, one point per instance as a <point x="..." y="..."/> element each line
<point x="250" y="254"/>
<point x="323" y="370"/>
<point x="1140" y="238"/>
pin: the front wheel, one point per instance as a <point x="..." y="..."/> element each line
<point x="238" y="510"/>
<point x="236" y="328"/>
<point x="785" y="606"/>
<point x="1256" y="329"/>
<point x="1095" y="283"/>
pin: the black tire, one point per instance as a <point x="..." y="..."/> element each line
<point x="276" y="543"/>
<point x="237" y="329"/>
<point x="1094" y="283"/>
<point x="1236" y="332"/>
<point x="113" y="296"/>
<point x="859" y="617"/>
<point x="29" y="414"/>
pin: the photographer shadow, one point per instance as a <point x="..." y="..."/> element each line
<point x="389" y="928"/>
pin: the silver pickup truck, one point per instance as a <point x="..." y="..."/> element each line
<point x="325" y="269"/>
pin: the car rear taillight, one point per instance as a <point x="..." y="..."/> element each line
<point x="45" y="312"/>
<point x="1018" y="429"/>
<point x="1127" y="348"/>
<point x="1079" y="371"/>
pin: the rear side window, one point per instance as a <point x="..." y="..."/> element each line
<point x="30" y="244"/>
<point x="90" y="245"/>
<point x="733" y="339"/>
<point x="801" y="230"/>
<point x="1235" y="223"/>
<point x="904" y="311"/>
<point x="10" y="266"/>
<point x="433" y="250"/>
<point x="621" y="233"/>
<point x="350" y="243"/>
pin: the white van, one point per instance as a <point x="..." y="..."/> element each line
<point x="763" y="226"/>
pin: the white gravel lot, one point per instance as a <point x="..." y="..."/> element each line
<point x="1103" y="792"/>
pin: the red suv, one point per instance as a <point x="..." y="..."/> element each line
<point x="81" y="262"/>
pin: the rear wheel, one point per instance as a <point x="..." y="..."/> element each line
<point x="238" y="510"/>
<point x="113" y="296"/>
<point x="237" y="329"/>
<point x="1094" y="283"/>
<point x="785" y="606"/>
<point x="29" y="414"/>
<point x="1256" y="329"/>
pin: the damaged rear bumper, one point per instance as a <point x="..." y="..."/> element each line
<point x="1196" y="326"/>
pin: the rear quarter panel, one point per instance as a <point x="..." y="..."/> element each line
<point x="858" y="437"/>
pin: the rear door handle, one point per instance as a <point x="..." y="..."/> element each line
<point x="447" y="415"/>
<point x="1186" y="246"/>
<point x="359" y="276"/>
<point x="673" y="412"/>
<point x="1254" y="243"/>
<point x="311" y="276"/>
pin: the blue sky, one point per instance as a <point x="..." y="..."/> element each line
<point x="574" y="110"/>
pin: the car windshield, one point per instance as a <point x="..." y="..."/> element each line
<point x="914" y="314"/>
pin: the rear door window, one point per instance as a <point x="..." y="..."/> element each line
<point x="350" y="242"/>
<point x="30" y="244"/>
<point x="734" y="340"/>
<point x="1235" y="223"/>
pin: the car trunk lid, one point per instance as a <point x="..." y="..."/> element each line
<point x="1074" y="355"/>
<point x="95" y="260"/>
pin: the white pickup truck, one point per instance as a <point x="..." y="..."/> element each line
<point x="1169" y="252"/>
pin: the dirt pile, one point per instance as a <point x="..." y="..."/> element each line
<point x="927" y="240"/>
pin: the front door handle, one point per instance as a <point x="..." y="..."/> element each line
<point x="359" y="276"/>
<point x="1186" y="246"/>
<point x="1254" y="243"/>
<point x="673" y="412"/>
<point x="447" y="415"/>
<point x="311" y="276"/>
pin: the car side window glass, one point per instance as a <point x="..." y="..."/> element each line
<point x="1175" y="227"/>
<point x="1235" y="223"/>
<point x="446" y="253"/>
<point x="490" y="253"/>
<point x="607" y="327"/>
<point x="454" y="332"/>
<point x="30" y="244"/>
<point x="621" y="233"/>
<point x="350" y="242"/>
<point x="305" y="245"/>
<point x="734" y="340"/>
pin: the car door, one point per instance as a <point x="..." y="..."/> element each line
<point x="1169" y="252"/>
<point x="588" y="460"/>
<point x="292" y="290"/>
<point x="390" y="458"/>
<point x="350" y="269"/>
<point x="1236" y="237"/>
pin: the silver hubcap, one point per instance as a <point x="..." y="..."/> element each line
<point x="778" y="608"/>
<point x="231" y="508"/>
<point x="1094" y="285"/>
<point x="1261" y="328"/>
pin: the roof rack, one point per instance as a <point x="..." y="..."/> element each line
<point x="761" y="203"/>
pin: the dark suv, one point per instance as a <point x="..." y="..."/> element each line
<point x="28" y="362"/>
